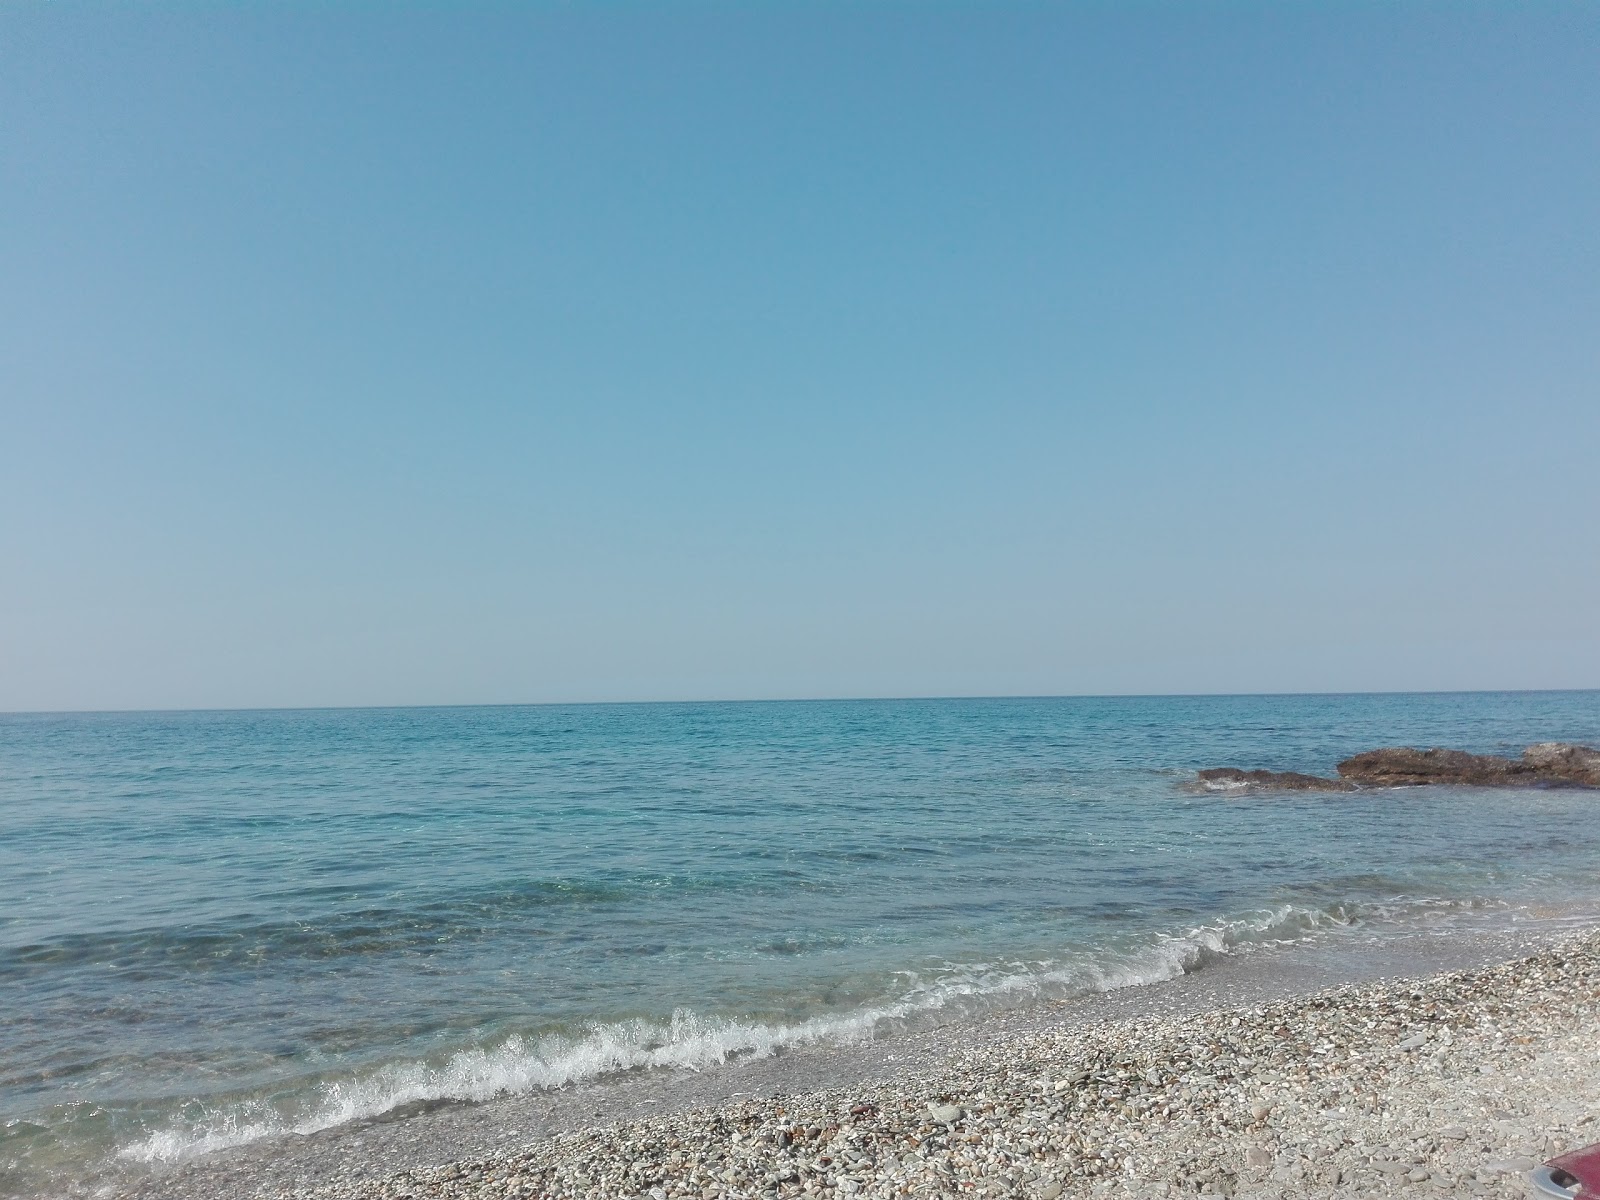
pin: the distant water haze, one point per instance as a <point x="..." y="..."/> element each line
<point x="218" y="928"/>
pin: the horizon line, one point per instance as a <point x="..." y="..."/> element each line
<point x="294" y="708"/>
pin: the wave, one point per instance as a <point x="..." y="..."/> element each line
<point x="692" y="1042"/>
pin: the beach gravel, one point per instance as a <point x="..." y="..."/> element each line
<point x="1451" y="1086"/>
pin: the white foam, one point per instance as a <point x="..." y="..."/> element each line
<point x="690" y="1041"/>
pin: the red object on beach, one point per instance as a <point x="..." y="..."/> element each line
<point x="1574" y="1176"/>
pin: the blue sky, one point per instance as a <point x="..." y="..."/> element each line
<point x="369" y="354"/>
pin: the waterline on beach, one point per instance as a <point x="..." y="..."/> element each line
<point x="689" y="1041"/>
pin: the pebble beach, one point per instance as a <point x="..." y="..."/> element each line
<point x="1454" y="1084"/>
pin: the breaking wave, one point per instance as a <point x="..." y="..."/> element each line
<point x="691" y="1041"/>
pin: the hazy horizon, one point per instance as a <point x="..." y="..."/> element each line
<point x="406" y="357"/>
<point x="692" y="700"/>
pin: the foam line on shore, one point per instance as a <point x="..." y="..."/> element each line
<point x="690" y="1041"/>
<point x="1444" y="1082"/>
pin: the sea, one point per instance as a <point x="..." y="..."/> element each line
<point x="218" y="928"/>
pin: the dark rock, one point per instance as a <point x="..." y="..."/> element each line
<point x="1552" y="764"/>
<point x="1548" y="764"/>
<point x="1562" y="762"/>
<point x="1232" y="779"/>
<point x="1404" y="766"/>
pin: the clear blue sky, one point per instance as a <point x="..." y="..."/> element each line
<point x="369" y="354"/>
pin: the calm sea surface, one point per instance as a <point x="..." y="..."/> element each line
<point x="218" y="927"/>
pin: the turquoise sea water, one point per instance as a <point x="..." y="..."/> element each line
<point x="218" y="927"/>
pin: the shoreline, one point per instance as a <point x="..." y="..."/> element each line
<point x="615" y="1121"/>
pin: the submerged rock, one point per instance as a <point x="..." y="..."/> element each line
<point x="1232" y="779"/>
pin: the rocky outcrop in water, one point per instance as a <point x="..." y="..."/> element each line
<point x="1405" y="766"/>
<point x="1552" y="764"/>
<point x="1548" y="764"/>
<point x="1577" y="765"/>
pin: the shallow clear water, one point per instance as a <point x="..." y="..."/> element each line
<point x="219" y="926"/>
